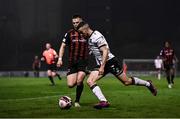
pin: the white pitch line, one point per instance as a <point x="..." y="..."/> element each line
<point x="35" y="98"/>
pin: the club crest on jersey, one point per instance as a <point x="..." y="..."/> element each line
<point x="112" y="66"/>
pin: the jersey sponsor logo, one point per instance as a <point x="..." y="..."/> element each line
<point x="168" y="53"/>
<point x="74" y="35"/>
<point x="80" y="40"/>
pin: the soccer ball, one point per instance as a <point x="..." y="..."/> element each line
<point x="65" y="102"/>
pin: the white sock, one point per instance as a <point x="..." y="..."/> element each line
<point x="141" y="82"/>
<point x="97" y="91"/>
<point x="159" y="76"/>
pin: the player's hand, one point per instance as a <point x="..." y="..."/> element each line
<point x="59" y="63"/>
<point x="101" y="70"/>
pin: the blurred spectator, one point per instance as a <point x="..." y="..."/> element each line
<point x="158" y="62"/>
<point x="36" y="66"/>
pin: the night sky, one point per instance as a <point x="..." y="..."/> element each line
<point x="133" y="28"/>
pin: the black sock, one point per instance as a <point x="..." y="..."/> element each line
<point x="133" y="81"/>
<point x="79" y="90"/>
<point x="168" y="79"/>
<point x="51" y="79"/>
<point x="92" y="87"/>
<point x="58" y="76"/>
<point x="172" y="79"/>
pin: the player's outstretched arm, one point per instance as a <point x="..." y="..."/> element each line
<point x="104" y="51"/>
<point x="61" y="53"/>
<point x="176" y="59"/>
<point x="55" y="54"/>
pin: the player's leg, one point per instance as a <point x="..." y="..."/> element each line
<point x="172" y="75"/>
<point x="91" y="81"/>
<point x="137" y="81"/>
<point x="80" y="86"/>
<point x="37" y="72"/>
<point x="50" y="76"/>
<point x="115" y="68"/>
<point x="71" y="80"/>
<point x="54" y="67"/>
<point x="159" y="74"/>
<point x="132" y="80"/>
<point x="54" y="73"/>
<point x="125" y="68"/>
<point x="34" y="73"/>
<point x="81" y="70"/>
<point x="168" y="77"/>
<point x="58" y="75"/>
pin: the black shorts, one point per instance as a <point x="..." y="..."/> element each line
<point x="168" y="66"/>
<point x="36" y="68"/>
<point x="52" y="67"/>
<point x="81" y="65"/>
<point x="112" y="66"/>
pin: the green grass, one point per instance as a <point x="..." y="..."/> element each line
<point x="34" y="97"/>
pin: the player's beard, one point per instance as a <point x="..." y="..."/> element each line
<point x="75" y="28"/>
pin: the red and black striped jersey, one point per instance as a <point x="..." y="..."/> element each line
<point x="78" y="46"/>
<point x="168" y="55"/>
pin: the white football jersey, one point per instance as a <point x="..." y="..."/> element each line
<point x="158" y="63"/>
<point x="96" y="41"/>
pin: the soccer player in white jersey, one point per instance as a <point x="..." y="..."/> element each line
<point x="106" y="63"/>
<point x="158" y="65"/>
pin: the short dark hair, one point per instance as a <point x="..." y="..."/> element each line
<point x="76" y="16"/>
<point x="81" y="24"/>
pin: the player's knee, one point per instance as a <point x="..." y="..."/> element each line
<point x="90" y="82"/>
<point x="71" y="85"/>
<point x="53" y="74"/>
<point x="127" y="83"/>
<point x="79" y="82"/>
<point x="49" y="74"/>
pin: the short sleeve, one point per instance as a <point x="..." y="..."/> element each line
<point x="101" y="41"/>
<point x="161" y="53"/>
<point x="66" y="39"/>
<point x="43" y="54"/>
<point x="54" y="52"/>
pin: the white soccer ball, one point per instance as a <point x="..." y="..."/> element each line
<point x="65" y="102"/>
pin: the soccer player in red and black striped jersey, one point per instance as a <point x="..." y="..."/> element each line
<point x="169" y="57"/>
<point x="78" y="54"/>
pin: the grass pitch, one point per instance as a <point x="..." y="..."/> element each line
<point x="34" y="97"/>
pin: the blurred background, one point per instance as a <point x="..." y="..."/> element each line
<point x="133" y="28"/>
